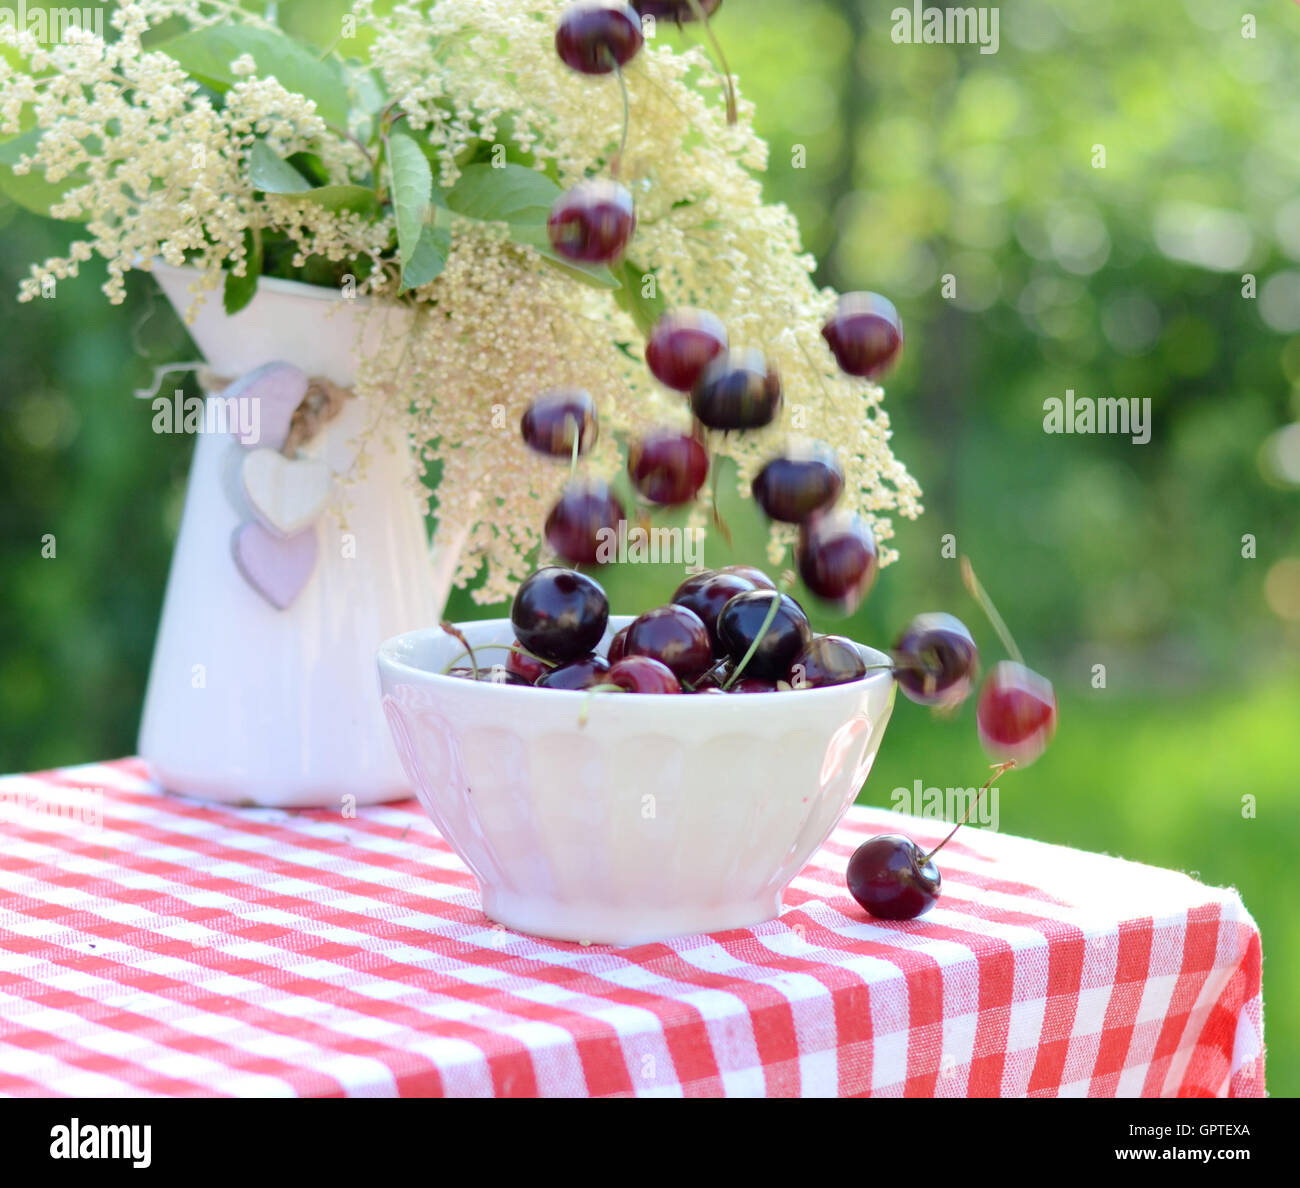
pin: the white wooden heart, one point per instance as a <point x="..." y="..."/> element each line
<point x="287" y="495"/>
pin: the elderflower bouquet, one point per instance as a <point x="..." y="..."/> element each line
<point x="415" y="160"/>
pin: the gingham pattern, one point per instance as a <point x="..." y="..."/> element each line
<point x="180" y="948"/>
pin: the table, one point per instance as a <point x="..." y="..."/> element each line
<point x="155" y="945"/>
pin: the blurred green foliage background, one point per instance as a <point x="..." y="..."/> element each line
<point x="1173" y="272"/>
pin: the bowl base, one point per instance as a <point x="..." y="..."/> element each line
<point x="601" y="924"/>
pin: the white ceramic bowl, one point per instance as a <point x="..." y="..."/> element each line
<point x="621" y="819"/>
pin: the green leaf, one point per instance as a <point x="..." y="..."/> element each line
<point x="510" y="194"/>
<point x="357" y="199"/>
<point x="364" y="88"/>
<point x="429" y="257"/>
<point x="239" y="290"/>
<point x="412" y="200"/>
<point x="272" y="173"/>
<point x="30" y="190"/>
<point x="207" y="54"/>
<point x="645" y="311"/>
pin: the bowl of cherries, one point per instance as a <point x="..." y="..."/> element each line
<point x="622" y="779"/>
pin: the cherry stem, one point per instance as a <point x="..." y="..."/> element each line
<point x="980" y="595"/>
<point x="721" y="524"/>
<point x="998" y="769"/>
<point x="733" y="115"/>
<point x="803" y="350"/>
<point x="523" y="651"/>
<point x="577" y="441"/>
<point x="454" y="631"/>
<point x="617" y="163"/>
<point x="758" y="639"/>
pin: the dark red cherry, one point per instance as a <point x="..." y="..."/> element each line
<point x="642" y="674"/>
<point x="680" y="11"/>
<point x="551" y="422"/>
<point x="865" y="334"/>
<point x="527" y="668"/>
<point x="710" y="689"/>
<point x="890" y="878"/>
<point x="741" y="622"/>
<point x="1016" y="713"/>
<point x="681" y="345"/>
<point x="583" y="525"/>
<point x="935" y="660"/>
<point x="592" y="222"/>
<point x="805" y="479"/>
<point x="836" y="555"/>
<point x="559" y="614"/>
<point x="676" y="637"/>
<point x="667" y="467"/>
<point x="595" y="37"/>
<point x="617" y="646"/>
<point x="577" y="674"/>
<point x="827" y="660"/>
<point x="751" y="574"/>
<point x="738" y="390"/>
<point x="707" y="593"/>
<point x="753" y="685"/>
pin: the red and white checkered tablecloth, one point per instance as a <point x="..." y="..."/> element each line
<point x="154" y="945"/>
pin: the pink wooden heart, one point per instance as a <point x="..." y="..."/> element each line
<point x="277" y="567"/>
<point x="273" y="391"/>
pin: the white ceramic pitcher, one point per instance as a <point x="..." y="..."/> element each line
<point x="248" y="703"/>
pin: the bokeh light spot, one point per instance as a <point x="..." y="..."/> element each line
<point x="1282" y="589"/>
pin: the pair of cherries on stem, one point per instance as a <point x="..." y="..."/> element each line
<point x="593" y="222"/>
<point x="936" y="663"/>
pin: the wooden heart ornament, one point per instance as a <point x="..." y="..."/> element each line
<point x="276" y="567"/>
<point x="287" y="495"/>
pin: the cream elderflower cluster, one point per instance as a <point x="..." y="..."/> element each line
<point x="161" y="171"/>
